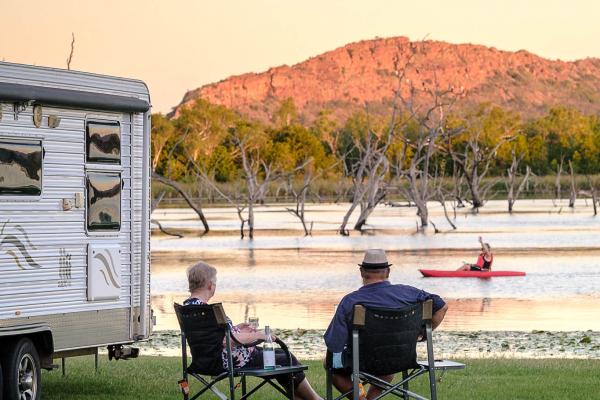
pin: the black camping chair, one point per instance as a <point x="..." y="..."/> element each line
<point x="203" y="328"/>
<point x="384" y="342"/>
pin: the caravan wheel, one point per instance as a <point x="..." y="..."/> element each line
<point x="22" y="377"/>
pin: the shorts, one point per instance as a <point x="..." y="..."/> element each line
<point x="478" y="269"/>
<point x="281" y="359"/>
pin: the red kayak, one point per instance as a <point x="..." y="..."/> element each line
<point x="440" y="273"/>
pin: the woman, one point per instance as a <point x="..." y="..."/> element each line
<point x="202" y="279"/>
<point x="484" y="260"/>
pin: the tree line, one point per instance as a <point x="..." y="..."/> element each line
<point x="428" y="151"/>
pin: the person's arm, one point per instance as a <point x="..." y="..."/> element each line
<point x="250" y="337"/>
<point x="438" y="316"/>
<point x="439" y="308"/>
<point x="336" y="335"/>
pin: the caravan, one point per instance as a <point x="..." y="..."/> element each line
<point x="74" y="219"/>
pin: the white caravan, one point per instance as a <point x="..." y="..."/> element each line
<point x="74" y="219"/>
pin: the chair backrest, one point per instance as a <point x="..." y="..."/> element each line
<point x="388" y="337"/>
<point x="204" y="327"/>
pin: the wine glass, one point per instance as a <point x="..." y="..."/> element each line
<point x="253" y="322"/>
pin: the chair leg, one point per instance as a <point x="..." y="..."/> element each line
<point x="291" y="388"/>
<point x="243" y="385"/>
<point x="431" y="361"/>
<point x="405" y="384"/>
<point x="328" y="384"/>
<point x="355" y="367"/>
<point x="184" y="374"/>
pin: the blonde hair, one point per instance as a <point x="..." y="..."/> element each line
<point x="199" y="275"/>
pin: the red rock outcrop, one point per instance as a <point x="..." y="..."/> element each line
<point x="345" y="78"/>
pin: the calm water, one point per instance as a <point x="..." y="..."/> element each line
<point x="290" y="281"/>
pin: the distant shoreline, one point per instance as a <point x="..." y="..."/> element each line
<point x="536" y="344"/>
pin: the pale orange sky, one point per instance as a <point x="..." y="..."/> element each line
<point x="182" y="44"/>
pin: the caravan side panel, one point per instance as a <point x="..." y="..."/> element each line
<point x="45" y="240"/>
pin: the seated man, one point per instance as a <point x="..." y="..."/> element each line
<point x="376" y="291"/>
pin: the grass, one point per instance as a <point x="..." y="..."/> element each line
<point x="156" y="378"/>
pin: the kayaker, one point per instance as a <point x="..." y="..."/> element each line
<point x="484" y="260"/>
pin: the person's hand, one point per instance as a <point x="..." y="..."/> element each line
<point x="480" y="240"/>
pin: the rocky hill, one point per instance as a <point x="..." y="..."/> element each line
<point x="344" y="79"/>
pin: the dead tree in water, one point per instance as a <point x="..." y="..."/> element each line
<point x="557" y="188"/>
<point x="368" y="176"/>
<point x="166" y="180"/>
<point x="513" y="194"/>
<point x="475" y="152"/>
<point x="573" y="195"/>
<point x="419" y="146"/>
<point x="300" y="199"/>
<point x="441" y="196"/>
<point x="593" y="194"/>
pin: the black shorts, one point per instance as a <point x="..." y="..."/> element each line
<point x="281" y="359"/>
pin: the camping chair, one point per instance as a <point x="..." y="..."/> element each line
<point x="384" y="342"/>
<point x="203" y="328"/>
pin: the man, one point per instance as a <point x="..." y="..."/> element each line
<point x="376" y="291"/>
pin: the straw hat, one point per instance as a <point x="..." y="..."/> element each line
<point x="375" y="259"/>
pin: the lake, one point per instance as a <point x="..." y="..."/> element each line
<point x="291" y="281"/>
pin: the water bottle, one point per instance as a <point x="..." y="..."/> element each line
<point x="268" y="350"/>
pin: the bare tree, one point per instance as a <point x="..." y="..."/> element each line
<point x="441" y="195"/>
<point x="474" y="162"/>
<point x="592" y="193"/>
<point x="557" y="188"/>
<point x="573" y="195"/>
<point x="166" y="180"/>
<point x="300" y="199"/>
<point x="368" y="184"/>
<point x="70" y="58"/>
<point x="415" y="163"/>
<point x="513" y="194"/>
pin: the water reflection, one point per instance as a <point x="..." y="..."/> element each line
<point x="291" y="281"/>
<point x="308" y="312"/>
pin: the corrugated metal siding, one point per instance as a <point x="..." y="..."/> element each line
<point x="31" y="291"/>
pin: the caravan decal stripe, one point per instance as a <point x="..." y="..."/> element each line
<point x="20" y="228"/>
<point x="108" y="269"/>
<point x="14" y="241"/>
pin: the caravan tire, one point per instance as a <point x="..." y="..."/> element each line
<point x="22" y="375"/>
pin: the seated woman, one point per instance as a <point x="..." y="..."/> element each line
<point x="484" y="260"/>
<point x="202" y="279"/>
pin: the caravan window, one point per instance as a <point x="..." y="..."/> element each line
<point x="103" y="201"/>
<point x="20" y="167"/>
<point x="103" y="142"/>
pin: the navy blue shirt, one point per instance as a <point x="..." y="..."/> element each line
<point x="379" y="294"/>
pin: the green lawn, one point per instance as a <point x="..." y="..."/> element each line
<point x="156" y="378"/>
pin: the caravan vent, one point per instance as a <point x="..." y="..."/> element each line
<point x="104" y="272"/>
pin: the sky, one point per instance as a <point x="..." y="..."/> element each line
<point x="179" y="45"/>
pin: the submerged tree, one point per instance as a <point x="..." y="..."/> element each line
<point x="475" y="150"/>
<point x="514" y="187"/>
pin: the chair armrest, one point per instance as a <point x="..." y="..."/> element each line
<point x="285" y="349"/>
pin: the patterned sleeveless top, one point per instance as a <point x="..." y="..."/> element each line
<point x="241" y="355"/>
